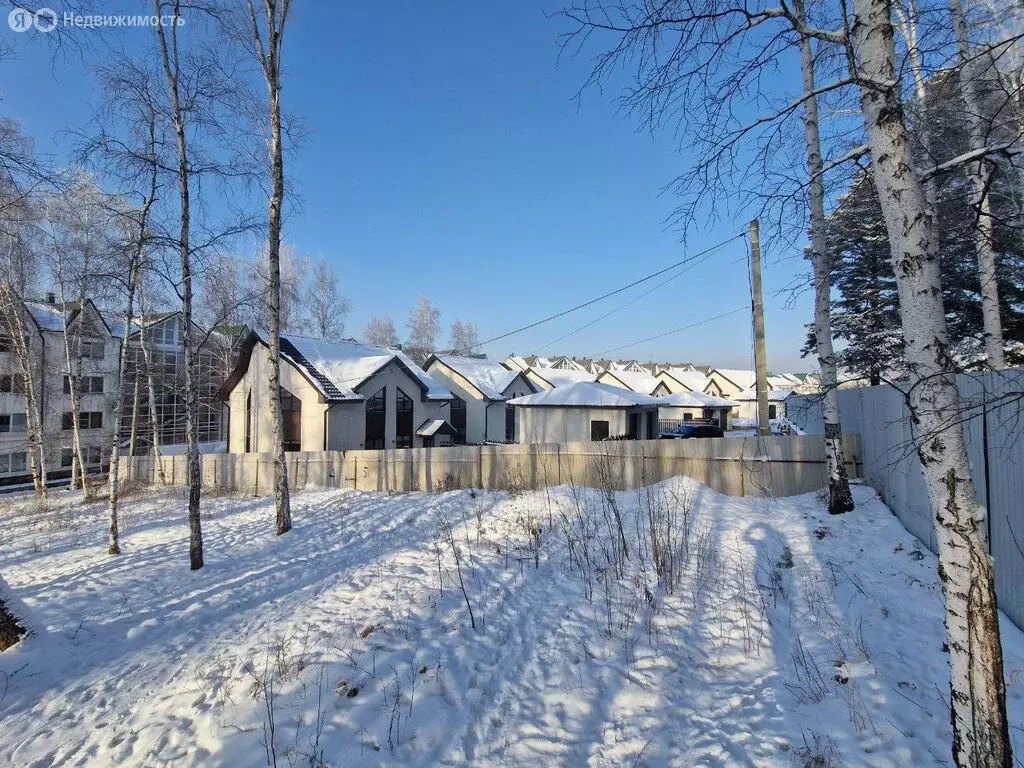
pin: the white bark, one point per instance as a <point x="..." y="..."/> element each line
<point x="840" y="499"/>
<point x="971" y="71"/>
<point x="275" y="14"/>
<point x="169" y="58"/>
<point x="977" y="688"/>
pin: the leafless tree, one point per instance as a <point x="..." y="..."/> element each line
<point x="267" y="30"/>
<point x="325" y="307"/>
<point x="424" y="324"/>
<point x="380" y="330"/>
<point x="464" y="337"/>
<point x="977" y="687"/>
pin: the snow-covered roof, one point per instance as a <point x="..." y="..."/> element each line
<point x="773" y="394"/>
<point x="644" y="383"/>
<point x="339" y="367"/>
<point x="696" y="400"/>
<point x="557" y="378"/>
<point x="50" y="317"/>
<point x="688" y="377"/>
<point x="587" y="394"/>
<point x="431" y="427"/>
<point x="490" y="377"/>
<point x="741" y="378"/>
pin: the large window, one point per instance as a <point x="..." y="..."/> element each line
<point x="376" y="416"/>
<point x="291" y="411"/>
<point x="403" y="420"/>
<point x="598" y="430"/>
<point x="458" y="419"/>
<point x="13" y="463"/>
<point x="510" y="424"/>
<point x="13" y="422"/>
<point x="633" y="429"/>
<point x="93" y="348"/>
<point x="93" y="456"/>
<point x="87" y="385"/>
<point x="86" y="420"/>
<point x="13" y="384"/>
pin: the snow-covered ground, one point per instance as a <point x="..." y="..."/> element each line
<point x="789" y="635"/>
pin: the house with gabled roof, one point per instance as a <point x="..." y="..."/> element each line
<point x="586" y="411"/>
<point x="480" y="392"/>
<point x="42" y="363"/>
<point x="682" y="407"/>
<point x="776" y="403"/>
<point x="675" y="380"/>
<point x="336" y="395"/>
<point x="635" y="381"/>
<point x="728" y="382"/>
<point x="552" y="378"/>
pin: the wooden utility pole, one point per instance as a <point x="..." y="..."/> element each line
<point x="760" y="359"/>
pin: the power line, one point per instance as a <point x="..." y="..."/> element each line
<point x="669" y="333"/>
<point x="610" y="293"/>
<point x="635" y="299"/>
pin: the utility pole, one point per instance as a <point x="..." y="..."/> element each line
<point x="764" y="429"/>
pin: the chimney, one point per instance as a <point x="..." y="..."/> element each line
<point x="51" y="298"/>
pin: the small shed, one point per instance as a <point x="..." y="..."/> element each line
<point x="586" y="411"/>
<point x="776" y="403"/>
<point x="684" y="407"/>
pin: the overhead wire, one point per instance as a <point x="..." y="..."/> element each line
<point x="615" y="292"/>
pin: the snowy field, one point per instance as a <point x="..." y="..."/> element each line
<point x="789" y="638"/>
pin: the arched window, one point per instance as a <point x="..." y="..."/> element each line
<point x="403" y="420"/>
<point x="291" y="410"/>
<point x="376" y="415"/>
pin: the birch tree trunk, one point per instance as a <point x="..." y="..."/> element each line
<point x="977" y="688"/>
<point x="73" y="374"/>
<point x="13" y="310"/>
<point x="978" y="173"/>
<point x="840" y="499"/>
<point x="150" y="394"/>
<point x="114" y="536"/>
<point x="276" y="15"/>
<point x="169" y="56"/>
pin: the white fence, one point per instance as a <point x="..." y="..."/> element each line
<point x="994" y="427"/>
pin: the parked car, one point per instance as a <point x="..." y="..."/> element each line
<point x="693" y="430"/>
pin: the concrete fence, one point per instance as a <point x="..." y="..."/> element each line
<point x="776" y="466"/>
<point x="994" y="432"/>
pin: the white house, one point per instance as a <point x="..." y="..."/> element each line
<point x="776" y="403"/>
<point x="43" y="325"/>
<point x="586" y="411"/>
<point x="480" y="389"/>
<point x="635" y="381"/>
<point x="552" y="378"/>
<point x="337" y="395"/>
<point x="682" y="407"/>
<point x="729" y="382"/>
<point x="687" y="379"/>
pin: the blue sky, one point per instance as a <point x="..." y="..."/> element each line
<point x="447" y="158"/>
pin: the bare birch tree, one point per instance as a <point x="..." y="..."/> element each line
<point x="326" y="307"/>
<point x="977" y="688"/>
<point x="973" y="68"/>
<point x="267" y="39"/>
<point x="171" y="60"/>
<point x="840" y="498"/>
<point x="381" y="331"/>
<point x="464" y="337"/>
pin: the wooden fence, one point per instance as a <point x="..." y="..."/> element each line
<point x="776" y="466"/>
